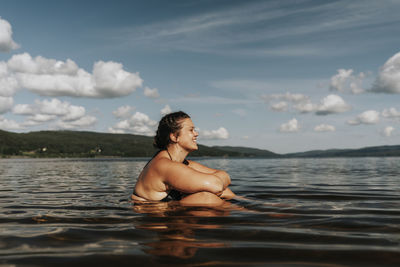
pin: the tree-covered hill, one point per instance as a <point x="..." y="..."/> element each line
<point x="375" y="151"/>
<point x="247" y="151"/>
<point x="74" y="144"/>
<point x="91" y="144"/>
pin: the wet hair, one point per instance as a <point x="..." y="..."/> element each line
<point x="170" y="123"/>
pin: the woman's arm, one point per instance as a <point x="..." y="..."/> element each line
<point x="223" y="175"/>
<point x="188" y="180"/>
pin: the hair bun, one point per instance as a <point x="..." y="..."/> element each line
<point x="168" y="124"/>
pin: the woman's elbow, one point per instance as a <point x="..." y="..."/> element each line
<point x="225" y="176"/>
<point x="228" y="178"/>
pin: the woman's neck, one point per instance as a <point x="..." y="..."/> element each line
<point x="176" y="153"/>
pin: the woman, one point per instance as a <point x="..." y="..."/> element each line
<point x="169" y="176"/>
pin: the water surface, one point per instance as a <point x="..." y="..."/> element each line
<point x="296" y="212"/>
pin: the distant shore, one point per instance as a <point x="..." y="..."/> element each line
<point x="75" y="144"/>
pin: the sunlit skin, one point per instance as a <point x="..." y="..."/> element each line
<point x="203" y="185"/>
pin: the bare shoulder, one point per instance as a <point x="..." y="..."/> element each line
<point x="165" y="168"/>
<point x="160" y="164"/>
<point x="165" y="165"/>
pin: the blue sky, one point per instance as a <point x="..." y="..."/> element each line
<point x="286" y="76"/>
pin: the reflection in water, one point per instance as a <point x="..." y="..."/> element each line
<point x="296" y="212"/>
<point x="176" y="228"/>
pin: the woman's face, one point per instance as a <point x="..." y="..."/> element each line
<point x="187" y="137"/>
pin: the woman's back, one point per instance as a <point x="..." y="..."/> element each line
<point x="150" y="184"/>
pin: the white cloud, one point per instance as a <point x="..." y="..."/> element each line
<point x="68" y="116"/>
<point x="339" y="80"/>
<point x="110" y="80"/>
<point x="332" y="104"/>
<point x="123" y="112"/>
<point x="49" y="77"/>
<point x="295" y="98"/>
<point x="367" y="117"/>
<point x="306" y="107"/>
<point x="24" y="63"/>
<point x="52" y="107"/>
<point x="302" y="103"/>
<point x="6" y="41"/>
<point x="152" y="93"/>
<point x="391" y="113"/>
<point x="345" y="81"/>
<point x="75" y="113"/>
<point x="388" y="80"/>
<point x="6" y="104"/>
<point x="356" y="85"/>
<point x="166" y="110"/>
<point x="37" y="119"/>
<point x="324" y="128"/>
<point x="328" y="105"/>
<point x="82" y="122"/>
<point x="388" y="131"/>
<point x="220" y="133"/>
<point x="23" y="109"/>
<point x="280" y="106"/>
<point x="8" y="83"/>
<point x="6" y="124"/>
<point x="139" y="123"/>
<point x="290" y="127"/>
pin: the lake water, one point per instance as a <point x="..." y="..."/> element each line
<point x="297" y="212"/>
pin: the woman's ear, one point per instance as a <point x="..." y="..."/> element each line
<point x="173" y="138"/>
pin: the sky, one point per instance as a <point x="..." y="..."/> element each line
<point x="286" y="76"/>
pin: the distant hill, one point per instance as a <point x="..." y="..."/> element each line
<point x="376" y="151"/>
<point x="74" y="144"/>
<point x="93" y="144"/>
<point x="248" y="152"/>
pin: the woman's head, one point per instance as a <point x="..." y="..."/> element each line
<point x="169" y="124"/>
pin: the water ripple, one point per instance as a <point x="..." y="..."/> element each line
<point x="295" y="212"/>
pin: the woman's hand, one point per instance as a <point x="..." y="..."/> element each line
<point x="227" y="194"/>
